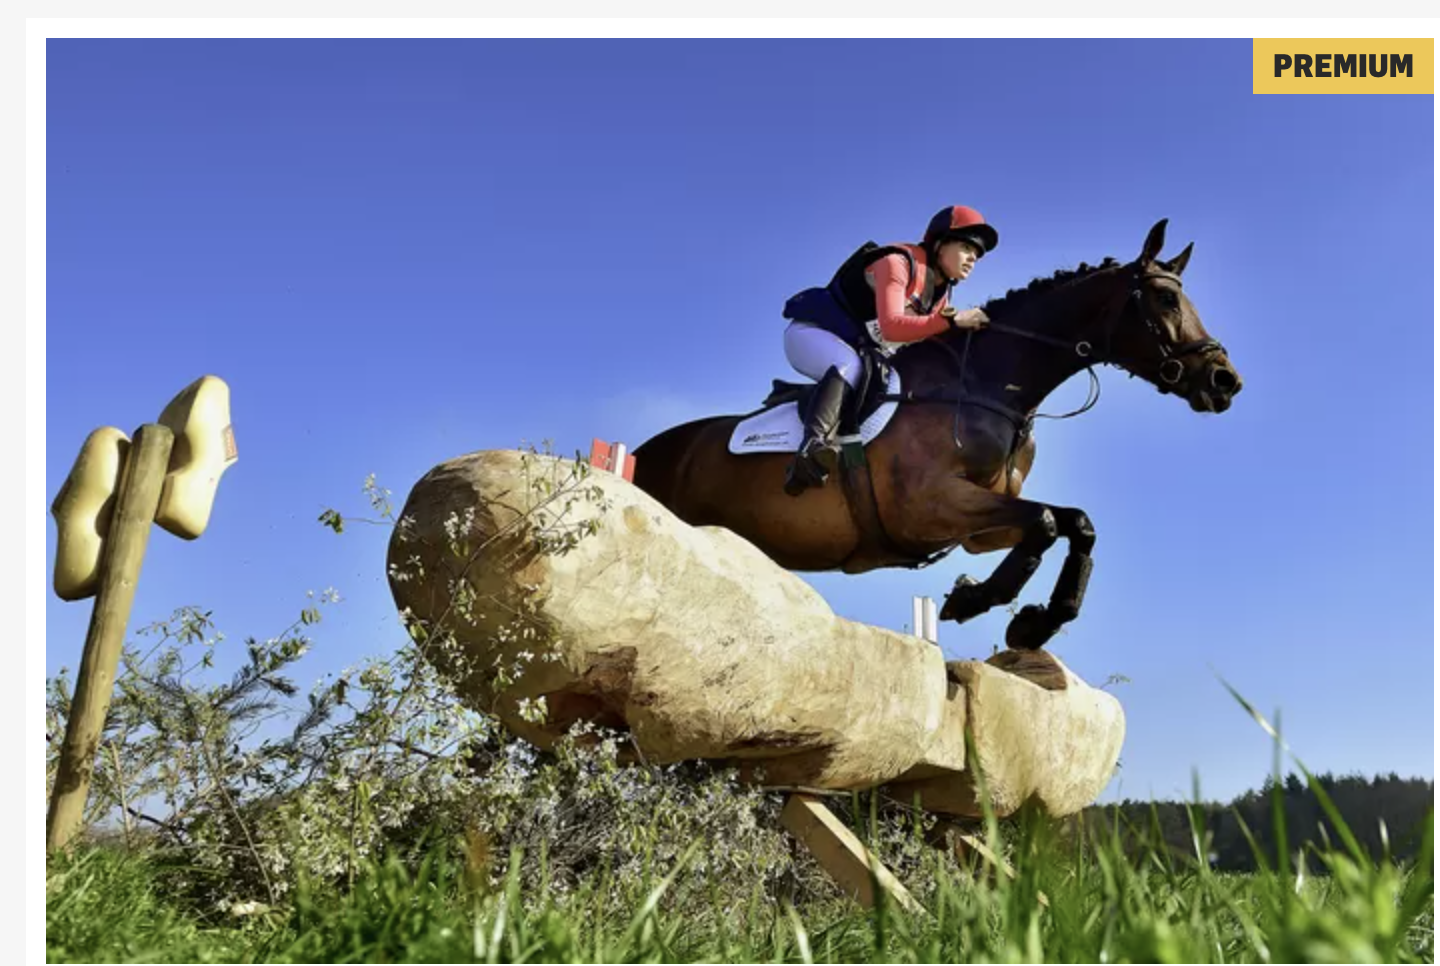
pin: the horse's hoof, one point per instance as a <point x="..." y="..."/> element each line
<point x="1030" y="629"/>
<point x="965" y="601"/>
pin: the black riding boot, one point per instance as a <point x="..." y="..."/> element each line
<point x="819" y="454"/>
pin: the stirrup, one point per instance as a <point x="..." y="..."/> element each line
<point x="824" y="454"/>
<point x="812" y="466"/>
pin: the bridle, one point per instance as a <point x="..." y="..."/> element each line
<point x="1172" y="367"/>
<point x="1169" y="371"/>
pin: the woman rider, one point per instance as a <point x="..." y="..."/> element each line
<point x="880" y="299"/>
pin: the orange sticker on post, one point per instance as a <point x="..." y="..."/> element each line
<point x="1330" y="65"/>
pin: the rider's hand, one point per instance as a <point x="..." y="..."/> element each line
<point x="969" y="320"/>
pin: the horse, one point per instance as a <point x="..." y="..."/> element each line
<point x="947" y="467"/>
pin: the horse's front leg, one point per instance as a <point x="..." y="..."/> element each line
<point x="962" y="501"/>
<point x="987" y="519"/>
<point x="994" y="521"/>
<point x="1035" y="624"/>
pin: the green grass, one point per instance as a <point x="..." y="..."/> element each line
<point x="104" y="905"/>
<point x="1077" y="891"/>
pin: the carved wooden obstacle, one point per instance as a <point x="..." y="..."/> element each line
<point x="700" y="647"/>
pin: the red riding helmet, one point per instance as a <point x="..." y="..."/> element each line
<point x="959" y="221"/>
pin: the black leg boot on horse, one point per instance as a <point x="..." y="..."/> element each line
<point x="819" y="454"/>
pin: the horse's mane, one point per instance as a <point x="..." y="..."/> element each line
<point x="1016" y="299"/>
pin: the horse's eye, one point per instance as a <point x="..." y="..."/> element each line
<point x="1169" y="299"/>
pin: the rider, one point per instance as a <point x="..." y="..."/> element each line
<point x="879" y="299"/>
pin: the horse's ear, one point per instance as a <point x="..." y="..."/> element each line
<point x="1154" y="242"/>
<point x="1176" y="265"/>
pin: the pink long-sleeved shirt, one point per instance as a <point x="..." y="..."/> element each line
<point x="891" y="277"/>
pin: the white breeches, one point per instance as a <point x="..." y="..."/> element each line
<point x="812" y="351"/>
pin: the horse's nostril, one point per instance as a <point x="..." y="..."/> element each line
<point x="1224" y="380"/>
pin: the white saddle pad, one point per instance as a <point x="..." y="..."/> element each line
<point x="779" y="430"/>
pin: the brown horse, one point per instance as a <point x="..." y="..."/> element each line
<point x="947" y="468"/>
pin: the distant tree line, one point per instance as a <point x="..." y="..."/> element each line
<point x="1374" y="810"/>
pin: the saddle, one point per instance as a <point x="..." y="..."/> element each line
<point x="867" y="397"/>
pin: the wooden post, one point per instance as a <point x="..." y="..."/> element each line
<point x="841" y="854"/>
<point x="613" y="457"/>
<point x="922" y="619"/>
<point x="126" y="540"/>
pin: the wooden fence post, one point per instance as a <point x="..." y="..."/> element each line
<point x="167" y="475"/>
<point x="129" y="534"/>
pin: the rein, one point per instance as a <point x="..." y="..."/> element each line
<point x="1169" y="372"/>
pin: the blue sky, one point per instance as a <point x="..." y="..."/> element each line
<point x="398" y="252"/>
